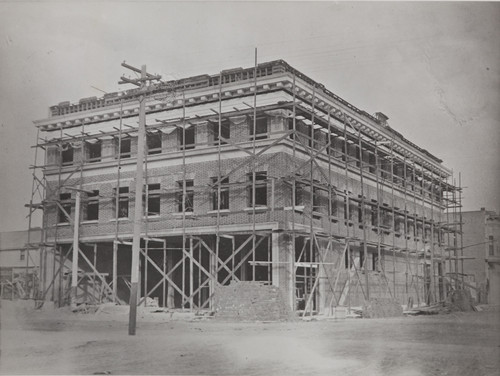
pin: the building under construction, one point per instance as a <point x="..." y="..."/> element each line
<point x="258" y="174"/>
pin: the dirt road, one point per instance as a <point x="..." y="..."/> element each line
<point x="59" y="342"/>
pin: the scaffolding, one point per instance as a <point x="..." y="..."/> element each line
<point x="350" y="211"/>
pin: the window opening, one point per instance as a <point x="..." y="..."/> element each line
<point x="299" y="194"/>
<point x="65" y="201"/>
<point x="374" y="210"/>
<point x="67" y="152"/>
<point x="123" y="201"/>
<point x="334" y="206"/>
<point x="375" y="265"/>
<point x="94" y="151"/>
<point x="153" y="141"/>
<point x="290" y="128"/>
<point x="348" y="259"/>
<point x="91" y="207"/>
<point x="189" y="142"/>
<point x="124" y="147"/>
<point x="260" y="189"/>
<point x="360" y="212"/>
<point x="225" y="132"/>
<point x="154" y="199"/>
<point x="260" y="128"/>
<point x="189" y="199"/>
<point x="224" y="194"/>
<point x="316" y="199"/>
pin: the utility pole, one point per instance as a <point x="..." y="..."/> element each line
<point x="142" y="83"/>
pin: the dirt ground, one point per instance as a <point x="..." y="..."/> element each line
<point x="56" y="341"/>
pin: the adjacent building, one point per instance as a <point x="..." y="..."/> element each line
<point x="19" y="264"/>
<point x="481" y="249"/>
<point x="258" y="174"/>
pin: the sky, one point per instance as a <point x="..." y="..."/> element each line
<point x="432" y="68"/>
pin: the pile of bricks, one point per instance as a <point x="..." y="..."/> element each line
<point x="382" y="307"/>
<point x="251" y="301"/>
<point x="459" y="300"/>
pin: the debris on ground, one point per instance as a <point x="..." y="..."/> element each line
<point x="433" y="309"/>
<point x="108" y="308"/>
<point x="152" y="302"/>
<point x="85" y="308"/>
<point x="382" y="307"/>
<point x="355" y="313"/>
<point x="459" y="300"/>
<point x="456" y="301"/>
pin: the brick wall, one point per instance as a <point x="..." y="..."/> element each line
<point x="251" y="301"/>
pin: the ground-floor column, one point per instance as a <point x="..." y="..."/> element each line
<point x="170" y="288"/>
<point x="282" y="270"/>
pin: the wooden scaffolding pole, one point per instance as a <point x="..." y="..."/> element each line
<point x="254" y="166"/>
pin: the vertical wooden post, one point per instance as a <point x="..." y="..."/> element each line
<point x="414" y="172"/>
<point x="74" y="269"/>
<point x="12" y="288"/>
<point x="293" y="284"/>
<point x="41" y="286"/>
<point x="269" y="258"/>
<point x="436" y="295"/>
<point x="199" y="272"/>
<point x="254" y="175"/>
<point x="115" y="270"/>
<point x="405" y="230"/>
<point x="183" y="273"/>
<point x="363" y="213"/>
<point x="213" y="271"/>
<point x="95" y="271"/>
<point x="348" y="250"/>
<point x="311" y="271"/>
<point x="191" y="273"/>
<point x="26" y="272"/>
<point x="233" y="243"/>
<point x="164" y="272"/>
<point x="43" y="280"/>
<point x="460" y="226"/>
<point x="455" y="239"/>
<point x="61" y="287"/>
<point x="53" y="273"/>
<point x="379" y="197"/>
<point x="393" y="224"/>
<point x="431" y="292"/>
<point x="146" y="262"/>
<point x="139" y="281"/>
